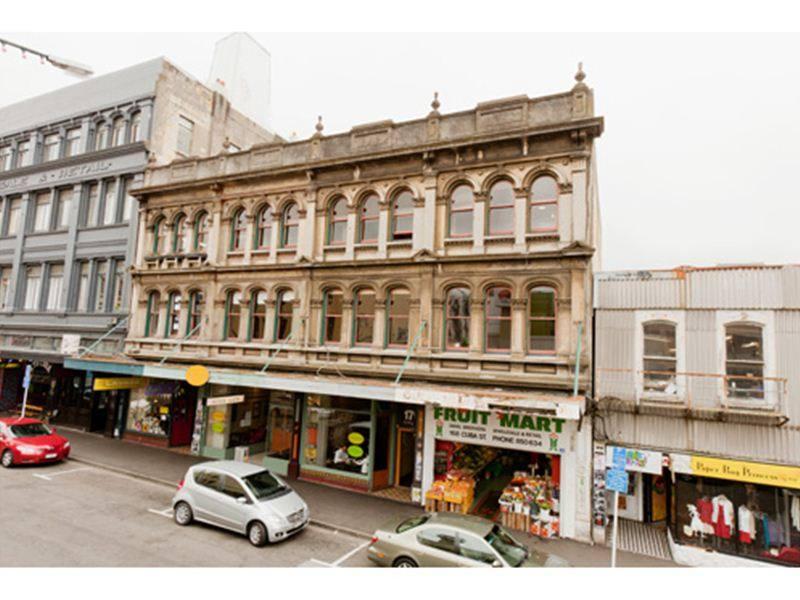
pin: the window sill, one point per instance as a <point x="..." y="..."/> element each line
<point x="465" y="241"/>
<point x="542" y="235"/>
<point x="366" y="246"/>
<point x="754" y="404"/>
<point x="106" y="226"/>
<point x="497" y="239"/>
<point x="261" y="252"/>
<point x="662" y="398"/>
<point x="400" y="243"/>
<point x="292" y="250"/>
<point x="340" y="248"/>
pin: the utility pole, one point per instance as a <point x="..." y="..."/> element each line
<point x="70" y="66"/>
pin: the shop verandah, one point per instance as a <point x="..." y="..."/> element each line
<point x="365" y="435"/>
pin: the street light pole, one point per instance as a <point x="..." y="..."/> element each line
<point x="70" y="66"/>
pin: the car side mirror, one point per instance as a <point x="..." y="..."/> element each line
<point x="497" y="564"/>
<point x="242" y="500"/>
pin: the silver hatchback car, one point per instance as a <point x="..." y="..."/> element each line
<point x="241" y="497"/>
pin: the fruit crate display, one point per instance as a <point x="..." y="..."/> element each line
<point x="530" y="504"/>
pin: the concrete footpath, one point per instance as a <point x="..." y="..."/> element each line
<point x="343" y="510"/>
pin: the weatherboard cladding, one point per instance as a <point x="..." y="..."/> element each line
<point x="87" y="96"/>
<point x="733" y="288"/>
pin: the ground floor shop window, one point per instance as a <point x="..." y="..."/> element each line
<point x="280" y="421"/>
<point x="337" y="434"/>
<point x="519" y="489"/>
<point x="754" y="521"/>
<point x="149" y="410"/>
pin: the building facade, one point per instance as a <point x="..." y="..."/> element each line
<point x="68" y="221"/>
<point x="697" y="387"/>
<point x="403" y="309"/>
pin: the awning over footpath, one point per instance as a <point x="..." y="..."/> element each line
<point x="475" y="398"/>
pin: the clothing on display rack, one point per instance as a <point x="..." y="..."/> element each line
<point x="747" y="525"/>
<point x="795" y="511"/>
<point x="705" y="508"/>
<point x="722" y="517"/>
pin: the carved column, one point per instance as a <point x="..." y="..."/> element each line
<point x="478" y="223"/>
<point x="518" y="327"/>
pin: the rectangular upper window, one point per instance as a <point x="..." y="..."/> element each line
<point x="23" y="149"/>
<point x="5" y="158"/>
<point x="41" y="212"/>
<point x="185" y="131"/>
<point x="73" y="143"/>
<point x="33" y="284"/>
<point x="51" y="147"/>
<point x="55" y="288"/>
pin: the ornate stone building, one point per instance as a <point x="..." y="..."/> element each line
<point x="343" y="289"/>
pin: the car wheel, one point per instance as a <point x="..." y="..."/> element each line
<point x="257" y="533"/>
<point x="183" y="514"/>
<point x="7" y="459"/>
<point x="404" y="563"/>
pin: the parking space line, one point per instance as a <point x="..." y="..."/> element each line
<point x="167" y="512"/>
<point x="51" y="475"/>
<point x="350" y="554"/>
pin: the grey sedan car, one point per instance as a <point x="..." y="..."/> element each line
<point x="452" y="540"/>
<point x="240" y="497"/>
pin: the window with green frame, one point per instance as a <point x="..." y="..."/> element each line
<point x="196" y="305"/>
<point x="233" y="314"/>
<point x="151" y="319"/>
<point x="258" y="315"/>
<point x="332" y="305"/>
<point x="263" y="237"/>
<point x="158" y="232"/>
<point x="172" y="325"/>
<point x="179" y="240"/>
<point x="238" y="230"/>
<point x="200" y="241"/>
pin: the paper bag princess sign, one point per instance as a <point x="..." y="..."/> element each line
<point x="503" y="429"/>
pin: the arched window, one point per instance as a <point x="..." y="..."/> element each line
<point x="290" y="223"/>
<point x="233" y="314"/>
<point x="744" y="361"/>
<point x="151" y="319"/>
<point x="201" y="223"/>
<point x="136" y="127"/>
<point x="258" y="315"/>
<point x="332" y="317"/>
<point x="462" y="203"/>
<point x="238" y="230"/>
<point x="501" y="209"/>
<point x="196" y="306"/>
<point x="368" y="215"/>
<point x="402" y="216"/>
<point x="337" y="222"/>
<point x="101" y="136"/>
<point x="118" y="132"/>
<point x="364" y="318"/>
<point x="660" y="361"/>
<point x="284" y="308"/>
<point x="180" y="235"/>
<point x="542" y="320"/>
<point x="543" y="205"/>
<point x="173" y="315"/>
<point x="263" y="239"/>
<point x="159" y="235"/>
<point x="457" y="316"/>
<point x="498" y="319"/>
<point x="398" y="306"/>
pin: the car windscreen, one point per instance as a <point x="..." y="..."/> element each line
<point x="411" y="523"/>
<point x="30" y="430"/>
<point x="264" y="485"/>
<point x="510" y="549"/>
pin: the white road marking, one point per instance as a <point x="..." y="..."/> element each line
<point x="51" y="475"/>
<point x="167" y="512"/>
<point x="342" y="559"/>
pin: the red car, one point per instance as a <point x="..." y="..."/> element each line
<point x="29" y="441"/>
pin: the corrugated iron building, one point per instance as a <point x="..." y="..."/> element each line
<point x="701" y="367"/>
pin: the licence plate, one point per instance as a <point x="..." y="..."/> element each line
<point x="51" y="455"/>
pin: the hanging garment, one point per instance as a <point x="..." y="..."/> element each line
<point x="775" y="530"/>
<point x="796" y="512"/>
<point x="705" y="509"/>
<point x="747" y="525"/>
<point x="765" y="525"/>
<point x="722" y="517"/>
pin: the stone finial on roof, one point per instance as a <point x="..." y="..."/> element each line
<point x="319" y="127"/>
<point x="580" y="75"/>
<point x="435" y="104"/>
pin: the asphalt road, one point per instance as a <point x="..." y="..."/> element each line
<point x="72" y="515"/>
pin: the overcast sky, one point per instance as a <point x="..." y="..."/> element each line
<point x="698" y="163"/>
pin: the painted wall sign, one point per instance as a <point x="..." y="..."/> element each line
<point x="223" y="400"/>
<point x="764" y="474"/>
<point x="56" y="175"/>
<point x="503" y="429"/>
<point x="119" y="383"/>
<point x="633" y="459"/>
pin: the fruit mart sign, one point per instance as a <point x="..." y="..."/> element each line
<point x="502" y="429"/>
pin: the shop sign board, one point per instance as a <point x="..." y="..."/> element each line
<point x="223" y="400"/>
<point x="503" y="429"/>
<point x="633" y="459"/>
<point x="102" y="384"/>
<point x="617" y="481"/>
<point x="735" y="470"/>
